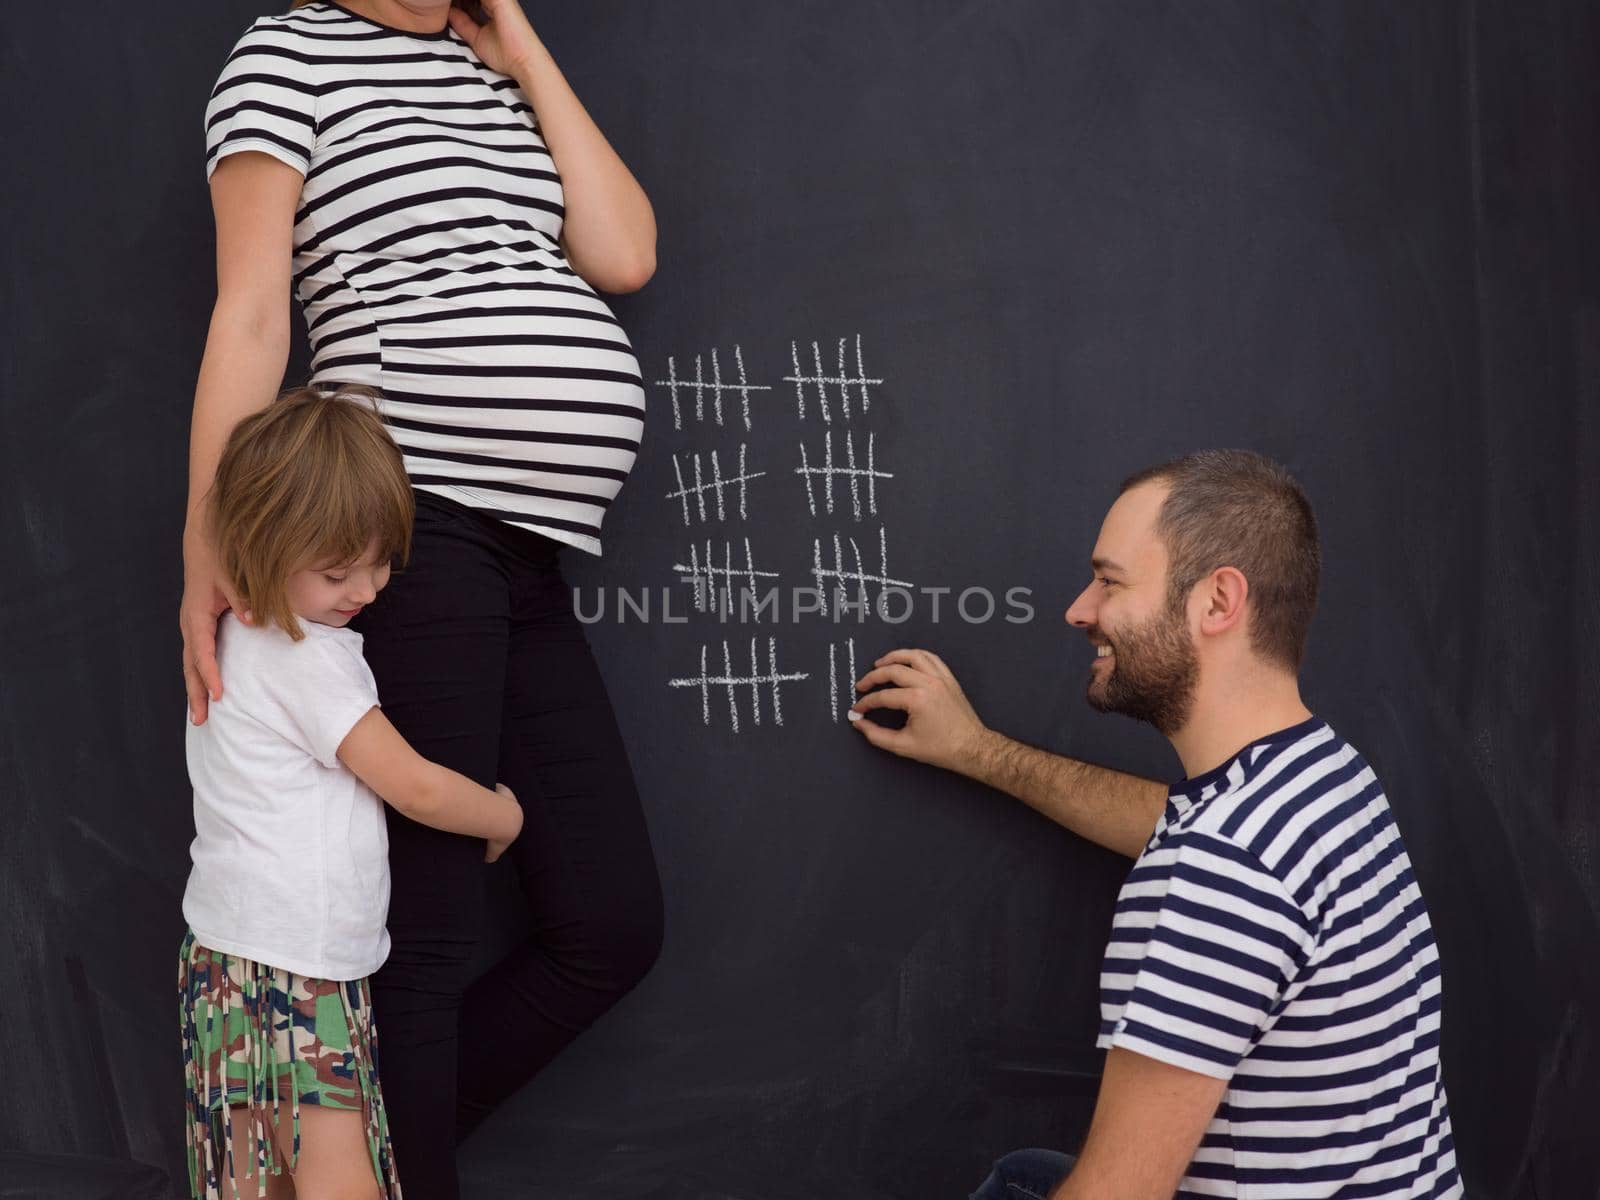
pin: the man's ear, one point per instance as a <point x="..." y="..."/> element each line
<point x="1221" y="600"/>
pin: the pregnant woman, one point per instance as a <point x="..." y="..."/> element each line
<point x="447" y="213"/>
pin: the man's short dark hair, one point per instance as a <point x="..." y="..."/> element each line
<point x="1235" y="508"/>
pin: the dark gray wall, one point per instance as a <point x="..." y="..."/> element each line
<point x="1074" y="238"/>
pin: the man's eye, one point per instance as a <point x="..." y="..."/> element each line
<point x="1107" y="580"/>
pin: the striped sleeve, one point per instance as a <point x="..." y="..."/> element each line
<point x="264" y="99"/>
<point x="1205" y="944"/>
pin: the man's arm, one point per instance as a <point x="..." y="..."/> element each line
<point x="1116" y="810"/>
<point x="1148" y="1121"/>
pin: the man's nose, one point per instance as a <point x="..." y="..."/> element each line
<point x="1081" y="614"/>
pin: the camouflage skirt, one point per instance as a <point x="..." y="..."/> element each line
<point x="266" y="1041"/>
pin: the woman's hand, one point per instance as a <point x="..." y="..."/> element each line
<point x="608" y="232"/>
<point x="505" y="41"/>
<point x="206" y="596"/>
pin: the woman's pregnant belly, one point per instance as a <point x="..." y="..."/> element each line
<point x="513" y="388"/>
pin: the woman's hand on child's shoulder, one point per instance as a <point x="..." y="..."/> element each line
<point x="207" y="594"/>
<point x="496" y="847"/>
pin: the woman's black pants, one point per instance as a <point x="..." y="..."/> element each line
<point x="483" y="667"/>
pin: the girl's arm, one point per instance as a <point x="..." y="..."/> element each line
<point x="610" y="229"/>
<point x="253" y="198"/>
<point x="426" y="792"/>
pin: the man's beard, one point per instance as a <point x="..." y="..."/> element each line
<point x="1154" y="671"/>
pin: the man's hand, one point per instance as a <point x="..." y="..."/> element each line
<point x="941" y="727"/>
<point x="1116" y="810"/>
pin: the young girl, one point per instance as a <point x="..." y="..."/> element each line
<point x="289" y="890"/>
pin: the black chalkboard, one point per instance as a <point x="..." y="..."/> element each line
<point x="1069" y="240"/>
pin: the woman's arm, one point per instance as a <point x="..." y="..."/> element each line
<point x="253" y="199"/>
<point x="610" y="229"/>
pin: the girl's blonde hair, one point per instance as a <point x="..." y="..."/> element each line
<point x="313" y="478"/>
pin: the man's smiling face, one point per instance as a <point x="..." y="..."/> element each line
<point x="1146" y="665"/>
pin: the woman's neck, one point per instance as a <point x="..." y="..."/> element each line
<point x="413" y="16"/>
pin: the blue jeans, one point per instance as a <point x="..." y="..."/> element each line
<point x="1025" y="1175"/>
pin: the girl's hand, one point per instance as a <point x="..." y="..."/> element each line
<point x="496" y="847"/>
<point x="206" y="596"/>
<point x="504" y="42"/>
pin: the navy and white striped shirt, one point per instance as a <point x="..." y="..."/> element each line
<point x="1272" y="935"/>
<point x="428" y="263"/>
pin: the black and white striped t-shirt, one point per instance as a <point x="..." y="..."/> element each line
<point x="1272" y="934"/>
<point x="428" y="264"/>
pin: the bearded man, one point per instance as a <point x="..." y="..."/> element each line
<point x="1270" y="996"/>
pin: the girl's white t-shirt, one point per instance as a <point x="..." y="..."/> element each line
<point x="291" y="853"/>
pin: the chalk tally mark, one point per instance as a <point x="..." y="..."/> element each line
<point x="821" y="381"/>
<point x="852" y="471"/>
<point x="715" y="485"/>
<point x="839" y="576"/>
<point x="701" y="386"/>
<point x="837" y="708"/>
<point x="734" y="684"/>
<point x="715" y="585"/>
